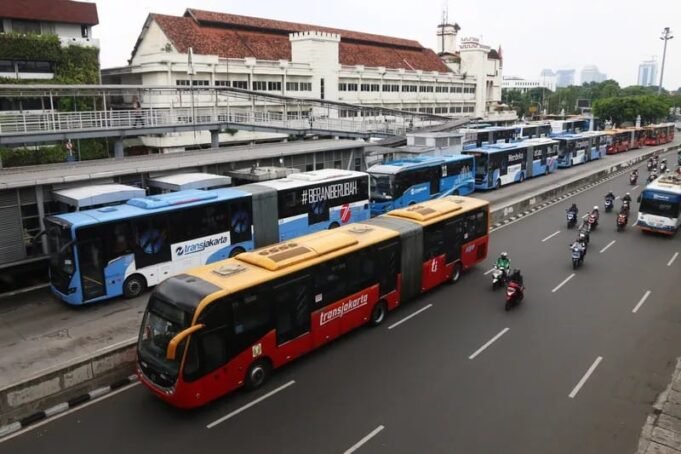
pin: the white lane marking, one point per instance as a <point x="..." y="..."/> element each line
<point x="563" y="283"/>
<point x="68" y="412"/>
<point x="640" y="303"/>
<point x="489" y="271"/>
<point x="550" y="236"/>
<point x="490" y="342"/>
<point x="249" y="405"/>
<point x="585" y="377"/>
<point x="635" y="188"/>
<point x="410" y="316"/>
<point x="606" y="247"/>
<point x="584" y="217"/>
<point x="669" y="263"/>
<point x="359" y="444"/>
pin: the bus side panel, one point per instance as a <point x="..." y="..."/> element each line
<point x="411" y="238"/>
<point x="116" y="272"/>
<point x="434" y="272"/>
<point x="474" y="252"/>
<point x="265" y="214"/>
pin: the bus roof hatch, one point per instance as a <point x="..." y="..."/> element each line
<point x="421" y="213"/>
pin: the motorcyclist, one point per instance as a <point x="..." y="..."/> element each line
<point x="580" y="247"/>
<point x="585" y="227"/>
<point x="624" y="213"/>
<point x="582" y="239"/>
<point x="652" y="175"/>
<point x="504" y="263"/>
<point x="627" y="197"/>
<point x="595" y="212"/>
<point x="610" y="195"/>
<point x="515" y="281"/>
<point x="650" y="164"/>
<point x="634" y="173"/>
<point x="573" y="209"/>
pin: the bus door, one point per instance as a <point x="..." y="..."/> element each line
<point x="91" y="264"/>
<point x="434" y="176"/>
<point x="454" y="238"/>
<point x="292" y="308"/>
<point x="433" y="271"/>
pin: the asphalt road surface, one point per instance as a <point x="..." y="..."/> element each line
<point x="574" y="369"/>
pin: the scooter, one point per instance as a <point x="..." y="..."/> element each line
<point x="514" y="295"/>
<point x="626" y="205"/>
<point x="577" y="256"/>
<point x="571" y="219"/>
<point x="608" y="204"/>
<point x="621" y="221"/>
<point x="593" y="221"/>
<point x="632" y="179"/>
<point x="499" y="277"/>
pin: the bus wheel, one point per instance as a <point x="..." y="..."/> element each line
<point x="522" y="177"/>
<point x="334" y="225"/>
<point x="236" y="251"/>
<point x="134" y="286"/>
<point x="456" y="274"/>
<point x="378" y="313"/>
<point x="498" y="185"/>
<point x="258" y="374"/>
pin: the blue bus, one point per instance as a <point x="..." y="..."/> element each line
<point x="110" y="251"/>
<point x="400" y="183"/>
<point x="490" y="135"/>
<point x="579" y="148"/>
<point x="501" y="164"/>
<point x="660" y="206"/>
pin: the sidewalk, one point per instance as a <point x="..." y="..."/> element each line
<point x="662" y="431"/>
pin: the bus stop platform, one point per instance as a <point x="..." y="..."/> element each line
<point x="39" y="335"/>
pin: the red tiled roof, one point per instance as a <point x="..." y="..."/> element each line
<point x="65" y="11"/>
<point x="231" y="36"/>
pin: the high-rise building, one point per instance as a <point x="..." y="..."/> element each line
<point x="647" y="73"/>
<point x="591" y="73"/>
<point x="565" y="77"/>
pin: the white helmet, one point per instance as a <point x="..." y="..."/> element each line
<point x="596" y="207"/>
<point x="628" y="193"/>
<point x="504" y="254"/>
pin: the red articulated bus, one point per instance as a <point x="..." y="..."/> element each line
<point x="659" y="134"/>
<point x="225" y="325"/>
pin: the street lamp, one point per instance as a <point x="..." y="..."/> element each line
<point x="666" y="36"/>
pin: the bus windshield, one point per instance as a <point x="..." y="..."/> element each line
<point x="161" y="323"/>
<point x="659" y="208"/>
<point x="382" y="187"/>
<point x="480" y="165"/>
<point x="62" y="264"/>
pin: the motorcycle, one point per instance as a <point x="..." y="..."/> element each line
<point x="626" y="205"/>
<point x="632" y="179"/>
<point x="608" y="205"/>
<point x="650" y="166"/>
<point x="571" y="219"/>
<point x="499" y="277"/>
<point x="663" y="167"/>
<point x="577" y="256"/>
<point x="651" y="177"/>
<point x="621" y="221"/>
<point x="514" y="295"/>
<point x="593" y="221"/>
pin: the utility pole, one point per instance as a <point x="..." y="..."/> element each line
<point x="666" y="36"/>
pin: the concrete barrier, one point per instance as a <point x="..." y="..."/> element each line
<point x="56" y="386"/>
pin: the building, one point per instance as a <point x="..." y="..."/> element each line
<point x="310" y="61"/>
<point x="523" y="85"/>
<point x="592" y="74"/>
<point x="70" y="22"/>
<point x="647" y="73"/>
<point x="565" y="77"/>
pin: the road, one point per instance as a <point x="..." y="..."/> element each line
<point x="572" y="370"/>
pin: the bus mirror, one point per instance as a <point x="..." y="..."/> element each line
<point x="171" y="351"/>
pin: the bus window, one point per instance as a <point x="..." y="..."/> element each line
<point x="293" y="305"/>
<point x="476" y="224"/>
<point x="240" y="220"/>
<point x="433" y="242"/>
<point x="389" y="256"/>
<point x="151" y="240"/>
<point x="331" y="279"/>
<point x="454" y="237"/>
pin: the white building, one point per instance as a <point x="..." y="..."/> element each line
<point x="523" y="85"/>
<point x="647" y="73"/>
<point x="71" y="21"/>
<point x="591" y="73"/>
<point x="309" y="61"/>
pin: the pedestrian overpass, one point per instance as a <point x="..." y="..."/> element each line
<point x="51" y="113"/>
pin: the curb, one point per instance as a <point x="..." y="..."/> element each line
<point x="64" y="406"/>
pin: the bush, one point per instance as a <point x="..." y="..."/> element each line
<point x="89" y="149"/>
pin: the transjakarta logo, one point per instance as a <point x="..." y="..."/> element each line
<point x="330" y="192"/>
<point x="200" y="244"/>
<point x="419" y="189"/>
<point x="339" y="311"/>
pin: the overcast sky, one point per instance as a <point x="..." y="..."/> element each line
<point x="614" y="35"/>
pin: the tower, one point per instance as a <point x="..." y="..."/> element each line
<point x="446" y="35"/>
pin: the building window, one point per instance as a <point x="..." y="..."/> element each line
<point x="342" y="87"/>
<point x="200" y="83"/>
<point x="25" y="26"/>
<point x="364" y="87"/>
<point x="242" y="84"/>
<point x="291" y="86"/>
<point x="358" y="164"/>
<point x="84" y="31"/>
<point x="441" y="89"/>
<point x="309" y="168"/>
<point x="274" y="86"/>
<point x="182" y="82"/>
<point x="222" y="83"/>
<point x="337" y="164"/>
<point x="386" y="87"/>
<point x="259" y="85"/>
<point x="320" y="165"/>
<point x="352" y="87"/>
<point x="375" y="87"/>
<point x="457" y="89"/>
<point x="306" y="86"/>
<point x="34" y="67"/>
<point x="321" y="88"/>
<point x="6" y="66"/>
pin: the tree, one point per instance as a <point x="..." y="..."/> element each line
<point x="627" y="108"/>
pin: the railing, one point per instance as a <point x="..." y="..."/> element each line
<point x="52" y="122"/>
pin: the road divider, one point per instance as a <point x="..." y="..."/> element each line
<point x="586" y="376"/>
<point x="490" y="342"/>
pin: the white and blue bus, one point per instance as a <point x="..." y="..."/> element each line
<point x="400" y="183"/>
<point x="533" y="130"/>
<point x="579" y="148"/>
<point x="501" y="164"/>
<point x="660" y="206"/>
<point x="118" y="250"/>
<point x="479" y="137"/>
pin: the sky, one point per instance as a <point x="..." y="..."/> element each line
<point x="614" y="35"/>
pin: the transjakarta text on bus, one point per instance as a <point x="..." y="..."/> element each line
<point x="120" y="250"/>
